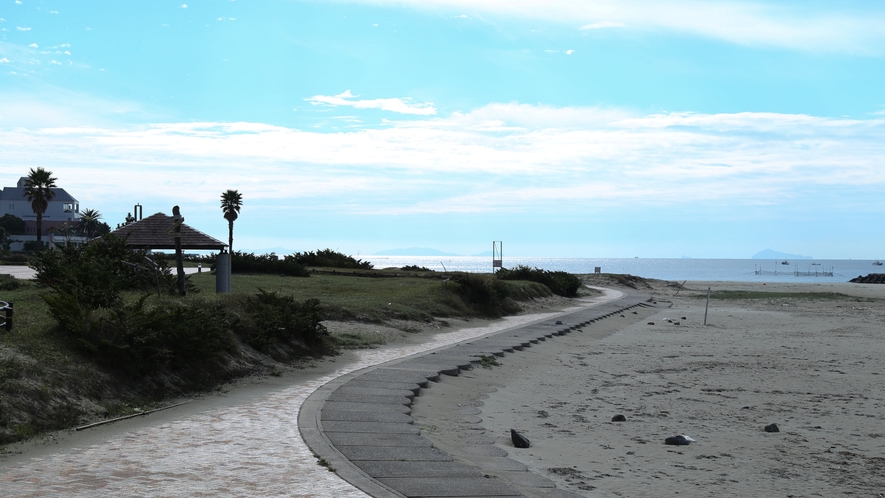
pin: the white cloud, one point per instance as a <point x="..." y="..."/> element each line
<point x="535" y="156"/>
<point x="53" y="61"/>
<point x="602" y="25"/>
<point x="2" y="20"/>
<point x="833" y="27"/>
<point x="18" y="2"/>
<point x="183" y="6"/>
<point x="53" y="12"/>
<point x="65" y="45"/>
<point x="4" y="60"/>
<point x="569" y="52"/>
<point x="398" y="105"/>
<point x="22" y="28"/>
<point x="34" y="45"/>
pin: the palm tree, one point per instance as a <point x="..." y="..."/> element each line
<point x="38" y="189"/>
<point x="89" y="222"/>
<point x="231" y="202"/>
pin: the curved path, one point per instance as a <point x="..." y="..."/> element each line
<point x="249" y="449"/>
<point x="360" y="423"/>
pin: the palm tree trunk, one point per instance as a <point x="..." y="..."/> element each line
<point x="39" y="231"/>
<point x="230" y="237"/>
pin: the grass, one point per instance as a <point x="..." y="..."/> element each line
<point x="45" y="384"/>
<point x="373" y="300"/>
<point x="357" y="340"/>
<point x="488" y="362"/>
<point x="731" y="295"/>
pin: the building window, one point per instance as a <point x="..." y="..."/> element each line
<point x="69" y="207"/>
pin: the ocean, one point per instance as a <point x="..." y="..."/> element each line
<point x="742" y="270"/>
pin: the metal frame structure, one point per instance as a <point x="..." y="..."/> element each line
<point x="497" y="255"/>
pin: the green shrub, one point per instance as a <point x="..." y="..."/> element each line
<point x="559" y="282"/>
<point x="13" y="258"/>
<point x="274" y="318"/>
<point x="97" y="272"/>
<point x="8" y="282"/>
<point x="140" y="339"/>
<point x="415" y="268"/>
<point x="13" y="225"/>
<point x="485" y="294"/>
<point x="330" y="259"/>
<point x="242" y="262"/>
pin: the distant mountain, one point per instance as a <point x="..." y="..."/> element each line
<point x="770" y="254"/>
<point x="414" y="251"/>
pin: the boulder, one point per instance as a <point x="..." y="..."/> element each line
<point x="519" y="440"/>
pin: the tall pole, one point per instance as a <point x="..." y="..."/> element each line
<point x="179" y="262"/>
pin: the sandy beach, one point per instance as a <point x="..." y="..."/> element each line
<point x="813" y="367"/>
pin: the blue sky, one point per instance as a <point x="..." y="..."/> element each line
<point x="563" y="128"/>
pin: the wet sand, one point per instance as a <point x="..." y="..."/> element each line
<point x="813" y="367"/>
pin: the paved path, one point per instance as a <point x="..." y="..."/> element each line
<point x="251" y="449"/>
<point x="360" y="423"/>
<point x="28" y="273"/>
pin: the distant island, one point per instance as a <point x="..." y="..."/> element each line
<point x="770" y="254"/>
<point x="414" y="251"/>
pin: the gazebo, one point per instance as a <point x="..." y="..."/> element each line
<point x="156" y="232"/>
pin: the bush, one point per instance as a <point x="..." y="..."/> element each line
<point x="330" y="259"/>
<point x="9" y="283"/>
<point x="485" y="294"/>
<point x="559" y="282"/>
<point x="13" y="258"/>
<point x="12" y="224"/>
<point x="415" y="268"/>
<point x="242" y="262"/>
<point x="97" y="272"/>
<point x="141" y="339"/>
<point x="273" y="318"/>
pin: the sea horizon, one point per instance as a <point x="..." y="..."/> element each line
<point x="724" y="269"/>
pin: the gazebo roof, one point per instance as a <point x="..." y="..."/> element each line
<point x="153" y="233"/>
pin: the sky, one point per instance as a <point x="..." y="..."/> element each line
<point x="563" y="128"/>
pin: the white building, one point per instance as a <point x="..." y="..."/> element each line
<point x="63" y="208"/>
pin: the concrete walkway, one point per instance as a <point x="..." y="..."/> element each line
<point x="360" y="423"/>
<point x="28" y="273"/>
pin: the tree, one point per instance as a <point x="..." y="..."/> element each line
<point x="129" y="220"/>
<point x="89" y="222"/>
<point x="231" y="202"/>
<point x="38" y="189"/>
<point x="12" y="224"/>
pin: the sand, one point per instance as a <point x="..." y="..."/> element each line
<point x="813" y="367"/>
